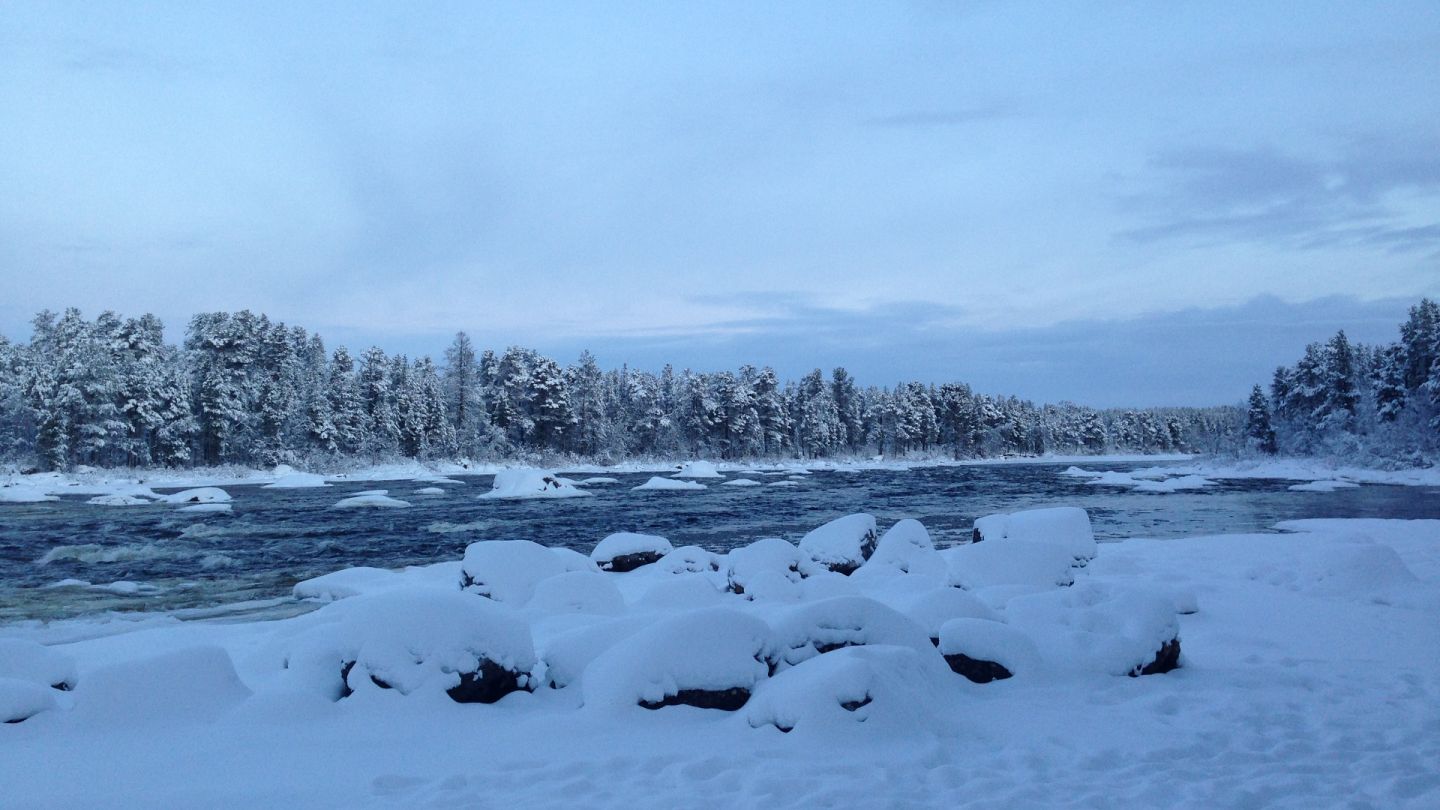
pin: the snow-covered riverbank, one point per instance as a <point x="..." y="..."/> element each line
<point x="1308" y="679"/>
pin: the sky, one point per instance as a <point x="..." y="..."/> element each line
<point x="1114" y="204"/>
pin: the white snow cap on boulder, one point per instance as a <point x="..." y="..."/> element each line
<point x="710" y="658"/>
<point x="373" y="499"/>
<point x="933" y="608"/>
<point x="28" y="661"/>
<point x="508" y="570"/>
<point x="22" y="699"/>
<point x="626" y="551"/>
<point x="670" y="484"/>
<point x="906" y="548"/>
<point x="198" y="495"/>
<point x="985" y="651"/>
<point x="583" y="592"/>
<point x="531" y="483"/>
<point x="843" y="544"/>
<point x="770" y="556"/>
<point x="698" y="469"/>
<point x="297" y="480"/>
<point x="808" y="630"/>
<point x="1011" y="562"/>
<point x="416" y="638"/>
<point x="1100" y="628"/>
<point x="1067" y="527"/>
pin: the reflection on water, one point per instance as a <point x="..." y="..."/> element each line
<point x="274" y="538"/>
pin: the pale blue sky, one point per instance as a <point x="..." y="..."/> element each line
<point x="1049" y="199"/>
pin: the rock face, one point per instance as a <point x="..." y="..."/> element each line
<point x="1167" y="658"/>
<point x="977" y="670"/>
<point x="727" y="700"/>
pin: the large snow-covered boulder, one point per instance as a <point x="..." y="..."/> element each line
<point x="626" y="551"/>
<point x="815" y="628"/>
<point x="524" y="483"/>
<point x="425" y="639"/>
<point x="711" y="659"/>
<point x="933" y="608"/>
<point x="28" y="661"/>
<point x="767" y="558"/>
<point x="698" y="469"/>
<point x="1066" y="527"/>
<point x="689" y="560"/>
<point x="905" y="548"/>
<point x="1013" y="562"/>
<point x="985" y="651"/>
<point x="843" y="544"/>
<point x="119" y="499"/>
<point x="582" y="592"/>
<point x="878" y="685"/>
<point x="566" y="655"/>
<point x="373" y="499"/>
<point x="198" y="495"/>
<point x="178" y="687"/>
<point x="508" y="570"/>
<point x="1100" y="628"/>
<point x="21" y="699"/>
<point x="657" y="484"/>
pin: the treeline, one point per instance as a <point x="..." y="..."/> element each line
<point x="242" y="389"/>
<point x="1356" y="401"/>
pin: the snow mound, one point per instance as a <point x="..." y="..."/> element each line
<point x="206" y="508"/>
<point x="370" y="500"/>
<point x="710" y="658"/>
<point x="884" y="687"/>
<point x="1323" y="486"/>
<point x="567" y="655"/>
<point x="508" y="570"/>
<point x="680" y="593"/>
<point x="626" y="551"/>
<point x="345" y="583"/>
<point x="531" y="483"/>
<point x="598" y="480"/>
<point x="743" y="482"/>
<point x="906" y="548"/>
<point x="985" y="651"/>
<point x="430" y="491"/>
<point x="698" y="469"/>
<point x="812" y="629"/>
<point x="689" y="560"/>
<point x="183" y="686"/>
<point x="10" y="493"/>
<point x="22" y="699"/>
<point x="670" y="484"/>
<point x="1013" y="562"/>
<point x="118" y="500"/>
<point x="28" y="661"/>
<point x="1100" y="628"/>
<point x="1065" y="527"/>
<point x="1178" y="484"/>
<point x="843" y="544"/>
<point x="297" y="480"/>
<point x="426" y="639"/>
<point x="198" y="495"/>
<point x="770" y="557"/>
<point x="783" y="484"/>
<point x="932" y="609"/>
<point x="576" y="592"/>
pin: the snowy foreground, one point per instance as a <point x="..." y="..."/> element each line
<point x="857" y="668"/>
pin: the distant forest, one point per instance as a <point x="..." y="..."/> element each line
<point x="243" y="389"/>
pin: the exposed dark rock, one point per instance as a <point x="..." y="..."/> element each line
<point x="1166" y="659"/>
<point x="855" y="705"/>
<point x="345" y="690"/>
<point x="976" y="536"/>
<point x="488" y="685"/>
<point x="977" y="670"/>
<point x="629" y="562"/>
<point x="724" y="699"/>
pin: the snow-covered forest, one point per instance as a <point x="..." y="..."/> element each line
<point x="244" y="389"/>
<point x="1356" y="401"/>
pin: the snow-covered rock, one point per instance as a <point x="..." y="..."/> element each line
<point x="843" y="544"/>
<point x="37" y="663"/>
<point x="783" y="484"/>
<point x="698" y="469"/>
<point x="298" y="480"/>
<point x="626" y="551"/>
<point x="525" y="483"/>
<point x="566" y="655"/>
<point x="689" y="560"/>
<point x="1100" y="628"/>
<point x="22" y="493"/>
<point x="576" y="592"/>
<point x="933" y="608"/>
<point x="186" y="685"/>
<point x="748" y="566"/>
<point x="598" y="481"/>
<point x="1322" y="486"/>
<point x="815" y="628"/>
<point x="198" y="495"/>
<point x="1013" y="562"/>
<point x="206" y="508"/>
<point x="668" y="484"/>
<point x="430" y="491"/>
<point x="983" y="650"/>
<point x="431" y="639"/>
<point x="375" y="499"/>
<point x="118" y="500"/>
<point x="22" y="699"/>
<point x="906" y="548"/>
<point x="711" y="658"/>
<point x="508" y="570"/>
<point x="742" y="482"/>
<point x="1066" y="527"/>
<point x="1180" y="483"/>
<point x="878" y="685"/>
<point x="346" y="583"/>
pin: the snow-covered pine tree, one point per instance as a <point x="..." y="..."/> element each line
<point x="1258" y="430"/>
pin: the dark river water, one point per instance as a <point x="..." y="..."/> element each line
<point x="276" y="537"/>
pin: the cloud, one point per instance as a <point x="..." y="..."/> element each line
<point x="924" y="119"/>
<point x="1217" y="194"/>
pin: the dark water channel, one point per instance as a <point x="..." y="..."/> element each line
<point x="276" y="537"/>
